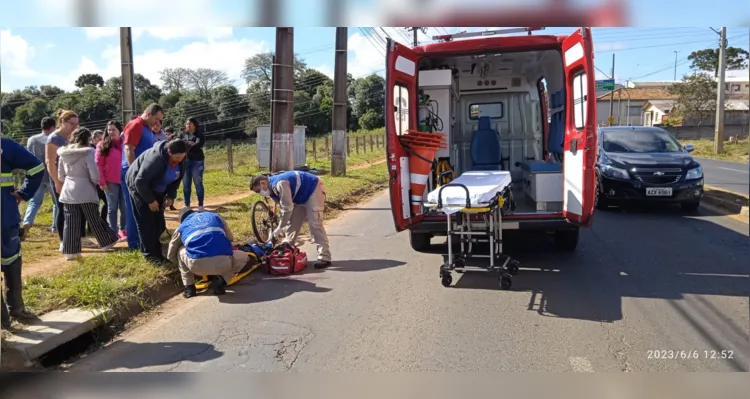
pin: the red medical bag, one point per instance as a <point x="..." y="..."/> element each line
<point x="286" y="259"/>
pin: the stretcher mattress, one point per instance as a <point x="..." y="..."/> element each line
<point x="482" y="186"/>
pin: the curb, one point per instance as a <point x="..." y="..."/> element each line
<point x="738" y="208"/>
<point x="57" y="328"/>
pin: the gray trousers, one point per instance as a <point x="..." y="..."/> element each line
<point x="224" y="266"/>
<point x="311" y="211"/>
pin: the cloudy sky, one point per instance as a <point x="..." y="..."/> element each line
<point x="57" y="56"/>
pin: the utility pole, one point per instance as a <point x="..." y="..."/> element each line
<point x="282" y="125"/>
<point x="338" y="147"/>
<point x="269" y="13"/>
<point x="128" y="83"/>
<point x="416" y="42"/>
<point x="675" y="65"/>
<point x="719" y="126"/>
<point x="612" y="94"/>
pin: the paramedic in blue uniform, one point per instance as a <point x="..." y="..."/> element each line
<point x="14" y="156"/>
<point x="137" y="138"/>
<point x="153" y="180"/>
<point x="301" y="196"/>
<point x="202" y="245"/>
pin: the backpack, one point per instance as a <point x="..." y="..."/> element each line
<point x="286" y="259"/>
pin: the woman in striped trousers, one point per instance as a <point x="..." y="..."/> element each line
<point x="80" y="176"/>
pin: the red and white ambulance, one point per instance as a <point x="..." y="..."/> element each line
<point x="535" y="92"/>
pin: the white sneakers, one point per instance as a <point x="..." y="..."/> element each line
<point x="201" y="209"/>
<point x="72" y="257"/>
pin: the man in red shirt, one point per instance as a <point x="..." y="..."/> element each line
<point x="138" y="137"/>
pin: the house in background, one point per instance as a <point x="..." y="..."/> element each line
<point x="628" y="104"/>
<point x="655" y="111"/>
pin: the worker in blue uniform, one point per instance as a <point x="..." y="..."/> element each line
<point x="14" y="156"/>
<point x="301" y="196"/>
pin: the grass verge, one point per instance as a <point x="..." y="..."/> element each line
<point x="113" y="280"/>
<point x="733" y="152"/>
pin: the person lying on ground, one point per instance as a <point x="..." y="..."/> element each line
<point x="301" y="196"/>
<point x="152" y="181"/>
<point x="202" y="245"/>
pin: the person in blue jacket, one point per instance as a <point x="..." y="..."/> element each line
<point x="301" y="196"/>
<point x="14" y="156"/>
<point x="202" y="245"/>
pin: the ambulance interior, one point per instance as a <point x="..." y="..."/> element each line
<point x="491" y="106"/>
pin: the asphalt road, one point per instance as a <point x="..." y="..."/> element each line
<point x="639" y="283"/>
<point x="732" y="176"/>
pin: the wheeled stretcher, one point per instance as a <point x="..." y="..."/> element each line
<point x="476" y="197"/>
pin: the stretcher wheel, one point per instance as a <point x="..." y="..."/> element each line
<point x="505" y="282"/>
<point x="446" y="280"/>
<point x="513" y="267"/>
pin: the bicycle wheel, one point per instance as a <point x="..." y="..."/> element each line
<point x="262" y="221"/>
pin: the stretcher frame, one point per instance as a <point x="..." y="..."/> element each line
<point x="204" y="281"/>
<point x="492" y="214"/>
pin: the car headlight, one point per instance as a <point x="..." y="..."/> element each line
<point x="617" y="173"/>
<point x="695" y="173"/>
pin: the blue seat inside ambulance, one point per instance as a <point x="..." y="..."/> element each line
<point x="554" y="138"/>
<point x="486" y="152"/>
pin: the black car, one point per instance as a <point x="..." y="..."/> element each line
<point x="645" y="164"/>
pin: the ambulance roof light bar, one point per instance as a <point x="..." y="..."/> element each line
<point x="461" y="35"/>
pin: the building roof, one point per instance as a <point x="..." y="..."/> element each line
<point x="666" y="105"/>
<point x="662" y="105"/>
<point x="641" y="93"/>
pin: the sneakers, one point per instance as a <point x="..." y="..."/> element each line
<point x="322" y="264"/>
<point x="109" y="248"/>
<point x="122" y="235"/>
<point x="201" y="209"/>
<point x="218" y="285"/>
<point x="61" y="247"/>
<point x="189" y="291"/>
<point x="72" y="257"/>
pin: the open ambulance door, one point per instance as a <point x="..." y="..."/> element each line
<point x="580" y="128"/>
<point x="400" y="116"/>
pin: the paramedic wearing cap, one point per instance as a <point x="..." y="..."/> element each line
<point x="301" y="196"/>
<point x="14" y="156"/>
<point x="202" y="245"/>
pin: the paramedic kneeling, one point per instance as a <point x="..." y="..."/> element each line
<point x="202" y="245"/>
<point x="301" y="196"/>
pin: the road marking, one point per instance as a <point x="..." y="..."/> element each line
<point x="581" y="365"/>
<point x="733" y="170"/>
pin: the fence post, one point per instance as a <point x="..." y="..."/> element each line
<point x="372" y="145"/>
<point x="315" y="151"/>
<point x="348" y="146"/>
<point x="356" y="144"/>
<point x="327" y="148"/>
<point x="230" y="160"/>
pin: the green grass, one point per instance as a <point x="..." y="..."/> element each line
<point x="735" y="152"/>
<point x="98" y="282"/>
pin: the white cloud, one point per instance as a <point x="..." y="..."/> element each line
<point x="226" y="55"/>
<point x="367" y="58"/>
<point x="163" y="33"/>
<point x="15" y="53"/>
<point x="325" y="69"/>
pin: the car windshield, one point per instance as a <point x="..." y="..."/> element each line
<point x="639" y="141"/>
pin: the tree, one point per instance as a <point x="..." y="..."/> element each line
<point x="259" y="68"/>
<point x="708" y="59"/>
<point x="696" y="95"/>
<point x="174" y="79"/>
<point x="369" y="95"/>
<point x="89" y="79"/>
<point x="204" y="80"/>
<point x="145" y="92"/>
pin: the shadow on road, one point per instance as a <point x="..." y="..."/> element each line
<point x="639" y="253"/>
<point x="264" y="288"/>
<point x="357" y="265"/>
<point x="139" y="355"/>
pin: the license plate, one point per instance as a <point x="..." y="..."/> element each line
<point x="659" y="191"/>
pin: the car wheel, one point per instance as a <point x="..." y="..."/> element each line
<point x="601" y="201"/>
<point x="419" y="241"/>
<point x="567" y="240"/>
<point x="690" y="206"/>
